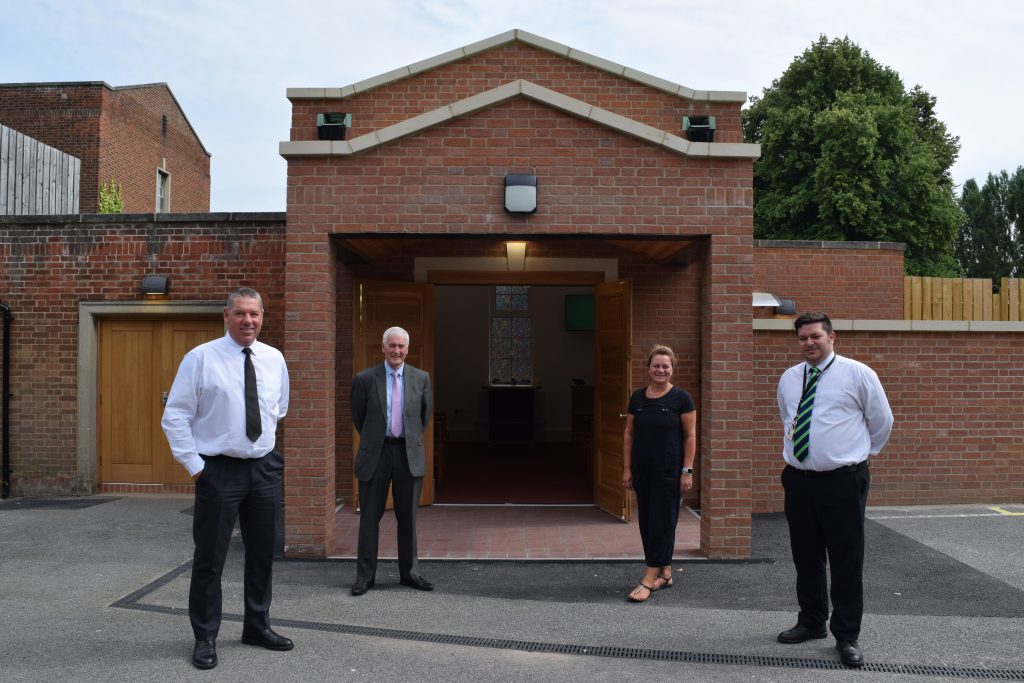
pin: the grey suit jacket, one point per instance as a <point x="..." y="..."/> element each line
<point x="369" y="400"/>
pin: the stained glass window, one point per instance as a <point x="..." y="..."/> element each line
<point x="511" y="336"/>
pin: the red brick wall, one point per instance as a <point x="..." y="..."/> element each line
<point x="957" y="401"/>
<point x="593" y="182"/>
<point x="116" y="133"/>
<point x="133" y="146"/>
<point x="47" y="268"/>
<point x="64" y="117"/>
<point x="409" y="97"/>
<point x="853" y="280"/>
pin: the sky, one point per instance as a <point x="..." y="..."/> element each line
<point x="230" y="62"/>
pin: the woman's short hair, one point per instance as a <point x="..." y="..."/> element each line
<point x="661" y="350"/>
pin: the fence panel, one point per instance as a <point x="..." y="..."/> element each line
<point x="934" y="298"/>
<point x="36" y="179"/>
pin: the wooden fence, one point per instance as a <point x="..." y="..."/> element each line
<point x="935" y="298"/>
<point x="36" y="179"/>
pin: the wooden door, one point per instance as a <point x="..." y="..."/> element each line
<point x="410" y="305"/>
<point x="612" y="351"/>
<point x="138" y="360"/>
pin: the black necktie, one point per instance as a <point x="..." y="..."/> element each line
<point x="253" y="424"/>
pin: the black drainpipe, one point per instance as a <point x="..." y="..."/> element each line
<point x="5" y="310"/>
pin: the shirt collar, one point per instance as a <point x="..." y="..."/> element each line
<point x="824" y="364"/>
<point x="388" y="369"/>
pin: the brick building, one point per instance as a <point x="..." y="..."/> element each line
<point x="136" y="135"/>
<point x="404" y="222"/>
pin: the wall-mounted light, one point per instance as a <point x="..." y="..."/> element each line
<point x="330" y="126"/>
<point x="155" y="285"/>
<point x="520" y="193"/>
<point x="786" y="307"/>
<point x="765" y="299"/>
<point x="516" y="254"/>
<point x="699" y="128"/>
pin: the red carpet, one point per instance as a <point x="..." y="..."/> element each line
<point x="538" y="474"/>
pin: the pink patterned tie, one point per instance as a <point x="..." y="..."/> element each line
<point x="396" y="406"/>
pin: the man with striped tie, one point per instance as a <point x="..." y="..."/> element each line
<point x="835" y="416"/>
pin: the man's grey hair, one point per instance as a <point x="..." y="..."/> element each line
<point x="244" y="293"/>
<point x="392" y="331"/>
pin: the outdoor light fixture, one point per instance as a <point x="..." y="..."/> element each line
<point x="520" y="193"/>
<point x="516" y="254"/>
<point x="699" y="128"/>
<point x="333" y="126"/>
<point x="155" y="285"/>
<point x="765" y="299"/>
<point x="786" y="307"/>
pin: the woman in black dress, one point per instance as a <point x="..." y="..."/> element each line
<point x="659" y="447"/>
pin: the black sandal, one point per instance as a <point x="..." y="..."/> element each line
<point x="640" y="585"/>
<point x="667" y="579"/>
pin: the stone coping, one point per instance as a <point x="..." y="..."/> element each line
<point x="900" y="325"/>
<point x="826" y="244"/>
<point x="514" y="35"/>
<point x="504" y="93"/>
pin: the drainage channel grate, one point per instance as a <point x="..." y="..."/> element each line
<point x="132" y="601"/>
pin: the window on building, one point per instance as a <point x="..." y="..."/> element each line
<point x="163" y="191"/>
<point x="511" y="336"/>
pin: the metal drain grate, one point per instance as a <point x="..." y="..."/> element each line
<point x="132" y="601"/>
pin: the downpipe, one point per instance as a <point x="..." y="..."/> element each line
<point x="5" y="400"/>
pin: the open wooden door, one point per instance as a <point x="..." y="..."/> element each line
<point x="410" y="305"/>
<point x="138" y="361"/>
<point x="612" y="350"/>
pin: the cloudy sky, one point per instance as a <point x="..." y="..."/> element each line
<point x="229" y="62"/>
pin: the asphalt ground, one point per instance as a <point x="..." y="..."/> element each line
<point x="95" y="589"/>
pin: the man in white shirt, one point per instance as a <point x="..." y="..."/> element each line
<point x="835" y="416"/>
<point x="220" y="420"/>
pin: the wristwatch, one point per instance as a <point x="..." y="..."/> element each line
<point x="687" y="470"/>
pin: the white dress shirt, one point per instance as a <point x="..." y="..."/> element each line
<point x="850" y="421"/>
<point x="205" y="411"/>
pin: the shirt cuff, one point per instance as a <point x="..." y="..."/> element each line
<point x="194" y="465"/>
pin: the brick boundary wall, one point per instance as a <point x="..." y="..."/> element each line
<point x="854" y="280"/>
<point x="956" y="397"/>
<point x="48" y="265"/>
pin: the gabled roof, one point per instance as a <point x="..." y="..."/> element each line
<point x="530" y="39"/>
<point x="504" y="93"/>
<point x="104" y="84"/>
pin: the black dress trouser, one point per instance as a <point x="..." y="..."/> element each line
<point x="826" y="522"/>
<point x="392" y="470"/>
<point x="229" y="489"/>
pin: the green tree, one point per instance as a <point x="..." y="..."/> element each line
<point x="990" y="244"/>
<point x="847" y="153"/>
<point x="110" y="198"/>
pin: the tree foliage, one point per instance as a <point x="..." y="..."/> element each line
<point x="110" y="198"/>
<point x="847" y="153"/>
<point x="990" y="243"/>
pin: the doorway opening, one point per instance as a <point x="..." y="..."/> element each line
<point x="514" y="394"/>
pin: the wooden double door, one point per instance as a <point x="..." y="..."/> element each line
<point x="138" y="361"/>
<point x="380" y="304"/>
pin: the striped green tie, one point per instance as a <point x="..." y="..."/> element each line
<point x="802" y="432"/>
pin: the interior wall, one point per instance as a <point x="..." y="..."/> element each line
<point x="461" y="359"/>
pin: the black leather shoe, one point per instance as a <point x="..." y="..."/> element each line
<point x="800" y="633"/>
<point x="361" y="586"/>
<point x="417" y="582"/>
<point x="268" y="639"/>
<point x="204" y="654"/>
<point x="849" y="653"/>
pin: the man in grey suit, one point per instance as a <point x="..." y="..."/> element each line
<point x="391" y="406"/>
